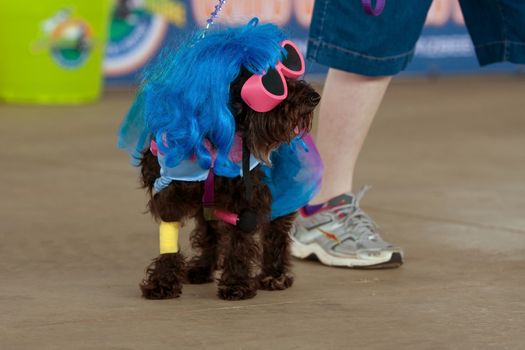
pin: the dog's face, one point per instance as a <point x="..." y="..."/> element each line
<point x="266" y="131"/>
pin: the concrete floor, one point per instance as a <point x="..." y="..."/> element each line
<point x="447" y="162"/>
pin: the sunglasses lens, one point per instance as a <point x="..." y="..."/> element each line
<point x="273" y="83"/>
<point x="292" y="60"/>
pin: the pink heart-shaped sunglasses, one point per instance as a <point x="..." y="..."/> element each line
<point x="265" y="91"/>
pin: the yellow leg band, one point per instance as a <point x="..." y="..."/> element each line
<point x="169" y="237"/>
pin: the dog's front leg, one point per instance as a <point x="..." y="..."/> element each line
<point x="275" y="272"/>
<point x="204" y="239"/>
<point x="236" y="281"/>
<point x="165" y="274"/>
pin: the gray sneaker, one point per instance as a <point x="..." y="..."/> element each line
<point x="342" y="234"/>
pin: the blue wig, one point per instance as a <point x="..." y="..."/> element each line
<point x="185" y="98"/>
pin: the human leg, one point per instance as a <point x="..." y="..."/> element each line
<point x="345" y="128"/>
<point x="363" y="53"/>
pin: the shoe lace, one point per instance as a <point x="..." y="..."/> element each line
<point x="355" y="220"/>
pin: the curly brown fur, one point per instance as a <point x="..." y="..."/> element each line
<point x="149" y="170"/>
<point x="180" y="200"/>
<point x="275" y="271"/>
<point x="221" y="245"/>
<point x="239" y="249"/>
<point x="204" y="240"/>
<point x="164" y="277"/>
<point x="236" y="281"/>
<point x="266" y="131"/>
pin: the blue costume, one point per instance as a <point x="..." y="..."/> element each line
<point x="183" y="105"/>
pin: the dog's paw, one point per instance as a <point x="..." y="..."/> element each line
<point x="164" y="277"/>
<point x="199" y="275"/>
<point x="275" y="283"/>
<point x="159" y="289"/>
<point x="236" y="292"/>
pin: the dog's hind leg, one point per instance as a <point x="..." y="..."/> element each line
<point x="165" y="274"/>
<point x="275" y="270"/>
<point x="204" y="240"/>
<point x="236" y="281"/>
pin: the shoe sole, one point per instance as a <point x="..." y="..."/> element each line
<point x="302" y="251"/>
<point x="395" y="261"/>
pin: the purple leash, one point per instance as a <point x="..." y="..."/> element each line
<point x="371" y="11"/>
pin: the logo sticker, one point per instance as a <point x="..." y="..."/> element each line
<point x="68" y="39"/>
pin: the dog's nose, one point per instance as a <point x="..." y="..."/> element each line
<point x="313" y="99"/>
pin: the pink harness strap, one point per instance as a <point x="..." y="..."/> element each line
<point x="154" y="148"/>
<point x="208" y="197"/>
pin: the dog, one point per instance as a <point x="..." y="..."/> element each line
<point x="253" y="251"/>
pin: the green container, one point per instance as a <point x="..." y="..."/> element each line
<point x="51" y="51"/>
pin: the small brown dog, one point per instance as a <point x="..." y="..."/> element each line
<point x="238" y="84"/>
<point x="220" y="244"/>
